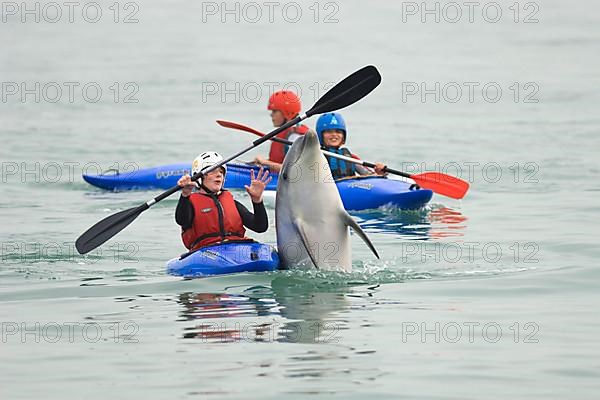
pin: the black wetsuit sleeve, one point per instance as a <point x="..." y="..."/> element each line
<point x="184" y="213"/>
<point x="258" y="222"/>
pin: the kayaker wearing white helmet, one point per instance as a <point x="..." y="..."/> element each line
<point x="211" y="215"/>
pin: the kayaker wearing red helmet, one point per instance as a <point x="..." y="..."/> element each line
<point x="284" y="106"/>
<point x="331" y="130"/>
<point x="212" y="215"/>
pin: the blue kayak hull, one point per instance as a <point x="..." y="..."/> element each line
<point x="360" y="193"/>
<point x="166" y="176"/>
<point x="372" y="192"/>
<point x="227" y="258"/>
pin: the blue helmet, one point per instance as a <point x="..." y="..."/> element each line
<point x="330" y="121"/>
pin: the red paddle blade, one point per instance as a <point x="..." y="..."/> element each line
<point x="240" y="127"/>
<point x="442" y="184"/>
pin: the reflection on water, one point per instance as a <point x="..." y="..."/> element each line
<point x="310" y="308"/>
<point x="432" y="222"/>
<point x="303" y="306"/>
<point x="446" y="222"/>
<point x="224" y="316"/>
<point x="295" y="309"/>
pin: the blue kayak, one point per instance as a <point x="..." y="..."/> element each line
<point x="358" y="193"/>
<point x="370" y="192"/>
<point x="226" y="258"/>
<point x="166" y="176"/>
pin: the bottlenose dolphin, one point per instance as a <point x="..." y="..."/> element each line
<point x="312" y="224"/>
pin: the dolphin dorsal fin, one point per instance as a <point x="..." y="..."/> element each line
<point x="298" y="224"/>
<point x="349" y="221"/>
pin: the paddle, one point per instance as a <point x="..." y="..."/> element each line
<point x="353" y="88"/>
<point x="438" y="182"/>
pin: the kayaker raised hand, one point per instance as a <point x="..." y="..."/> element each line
<point x="284" y="106"/>
<point x="211" y="215"/>
<point x="331" y="130"/>
<point x="258" y="184"/>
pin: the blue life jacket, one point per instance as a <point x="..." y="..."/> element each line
<point x="340" y="168"/>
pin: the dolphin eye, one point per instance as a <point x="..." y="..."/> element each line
<point x="284" y="175"/>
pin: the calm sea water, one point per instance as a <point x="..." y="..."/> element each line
<point x="493" y="296"/>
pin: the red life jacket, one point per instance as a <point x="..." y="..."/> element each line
<point x="278" y="150"/>
<point x="216" y="220"/>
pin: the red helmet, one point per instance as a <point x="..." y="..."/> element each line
<point x="285" y="101"/>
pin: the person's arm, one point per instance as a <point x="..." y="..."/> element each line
<point x="378" y="170"/>
<point x="184" y="213"/>
<point x="258" y="222"/>
<point x="361" y="170"/>
<point x="273" y="166"/>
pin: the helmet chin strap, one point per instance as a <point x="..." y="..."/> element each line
<point x="204" y="188"/>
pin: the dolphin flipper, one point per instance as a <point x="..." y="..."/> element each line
<point x="300" y="229"/>
<point x="349" y="221"/>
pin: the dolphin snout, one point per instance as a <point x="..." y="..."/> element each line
<point x="311" y="139"/>
<point x="311" y="135"/>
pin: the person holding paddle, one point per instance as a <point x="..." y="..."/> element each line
<point x="284" y="106"/>
<point x="350" y="90"/>
<point x="331" y="130"/>
<point x="211" y="215"/>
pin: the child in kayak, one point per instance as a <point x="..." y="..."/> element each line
<point x="284" y="106"/>
<point x="331" y="130"/>
<point x="211" y="215"/>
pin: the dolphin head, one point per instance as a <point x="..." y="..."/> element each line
<point x="304" y="162"/>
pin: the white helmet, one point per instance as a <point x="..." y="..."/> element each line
<point x="206" y="159"/>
